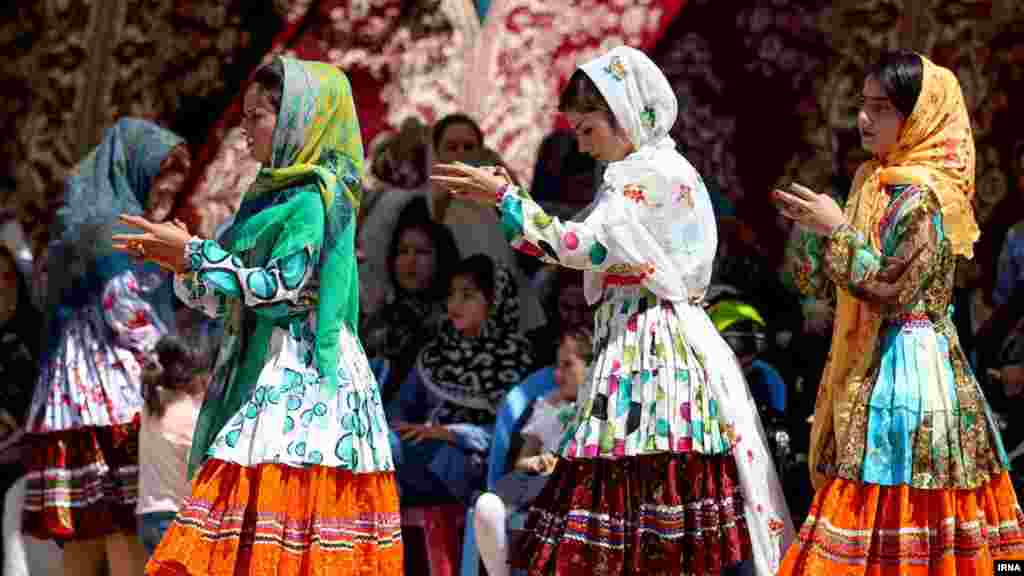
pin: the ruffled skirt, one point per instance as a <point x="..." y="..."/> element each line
<point x="858" y="529"/>
<point x="652" y="515"/>
<point x="299" y="481"/>
<point x="919" y="486"/>
<point x="666" y="461"/>
<point x="82" y="426"/>
<point x="283" y="520"/>
<point x="82" y="484"/>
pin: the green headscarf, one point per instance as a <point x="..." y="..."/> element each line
<point x="316" y="142"/>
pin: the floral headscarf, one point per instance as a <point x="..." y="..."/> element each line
<point x="638" y="93"/>
<point x="645" y="107"/>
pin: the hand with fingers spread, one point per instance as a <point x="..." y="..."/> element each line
<point x="479" y="185"/>
<point x="817" y="212"/>
<point x="162" y="243"/>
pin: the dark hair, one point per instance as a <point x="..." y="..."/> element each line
<point x="560" y="279"/>
<point x="583" y="336"/>
<point x="901" y="74"/>
<point x="416" y="216"/>
<point x="480" y="269"/>
<point x="174" y="368"/>
<point x="582" y="97"/>
<point x="271" y="78"/>
<point x="452" y="119"/>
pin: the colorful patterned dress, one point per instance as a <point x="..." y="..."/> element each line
<point x="102" y="321"/>
<point x="296" y="472"/>
<point x="921" y="436"/>
<point x="910" y="472"/>
<point x="665" y="467"/>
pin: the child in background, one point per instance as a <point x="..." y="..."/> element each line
<point x="173" y="388"/>
<point x="537" y="457"/>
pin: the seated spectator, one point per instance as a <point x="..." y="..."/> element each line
<point x="535" y="460"/>
<point x="448" y="406"/>
<point x="566" y="306"/>
<point x="458" y="138"/>
<point x="744" y="329"/>
<point x="420" y="256"/>
<point x="396" y="178"/>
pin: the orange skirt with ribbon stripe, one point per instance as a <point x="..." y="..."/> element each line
<point x="82" y="483"/>
<point x="282" y="520"/>
<point x="856" y="529"/>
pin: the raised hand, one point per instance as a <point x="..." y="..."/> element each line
<point x="817" y="212"/>
<point x="162" y="243"/>
<point x="480" y="185"/>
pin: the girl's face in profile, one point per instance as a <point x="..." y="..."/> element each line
<point x="467" y="306"/>
<point x="168" y="183"/>
<point x="258" y="122"/>
<point x="598" y="137"/>
<point x="879" y="121"/>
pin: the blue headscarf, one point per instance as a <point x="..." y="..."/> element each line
<point x="113" y="179"/>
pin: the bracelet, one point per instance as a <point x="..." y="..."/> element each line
<point x="501" y="194"/>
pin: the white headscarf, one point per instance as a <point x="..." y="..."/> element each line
<point x="674" y="229"/>
<point x="639" y="95"/>
<point x="681" y="243"/>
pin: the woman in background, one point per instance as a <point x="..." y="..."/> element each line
<point x="449" y="407"/>
<point x="420" y="256"/>
<point x="105" y="314"/>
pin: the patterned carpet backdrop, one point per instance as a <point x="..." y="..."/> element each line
<point x="764" y="85"/>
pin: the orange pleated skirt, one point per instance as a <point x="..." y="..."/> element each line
<point x="856" y="529"/>
<point x="283" y="521"/>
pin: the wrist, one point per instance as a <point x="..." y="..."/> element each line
<point x="500" y="195"/>
<point x="834" y="229"/>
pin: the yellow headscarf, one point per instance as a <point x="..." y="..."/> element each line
<point x="935" y="149"/>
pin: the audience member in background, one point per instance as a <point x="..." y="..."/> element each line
<point x="743" y="328"/>
<point x="399" y="165"/>
<point x="448" y="408"/>
<point x="549" y="171"/>
<point x="105" y="314"/>
<point x="1008" y="292"/>
<point x="20" y="327"/>
<point x="174" y="384"/>
<point x="566" y="305"/>
<point x="534" y="461"/>
<point x="420" y="256"/>
<point x="458" y="138"/>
